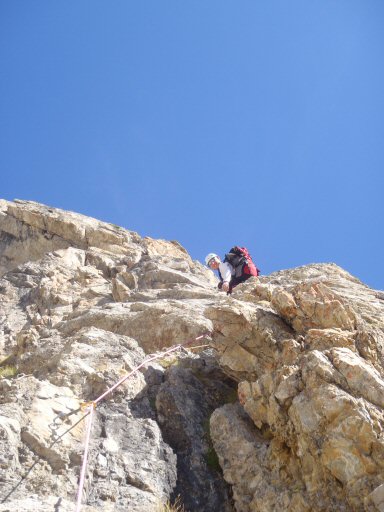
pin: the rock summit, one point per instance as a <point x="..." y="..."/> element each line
<point x="281" y="409"/>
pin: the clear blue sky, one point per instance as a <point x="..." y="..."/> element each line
<point x="212" y="122"/>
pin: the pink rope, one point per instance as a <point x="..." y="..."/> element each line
<point x="146" y="361"/>
<point x="92" y="405"/>
<point x="85" y="459"/>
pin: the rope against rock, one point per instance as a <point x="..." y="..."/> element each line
<point x="91" y="406"/>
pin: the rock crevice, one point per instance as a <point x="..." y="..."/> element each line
<point x="282" y="411"/>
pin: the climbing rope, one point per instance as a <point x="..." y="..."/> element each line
<point x="91" y="409"/>
<point x="91" y="406"/>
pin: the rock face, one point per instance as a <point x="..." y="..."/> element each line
<point x="284" y="410"/>
<point x="306" y="346"/>
<point x="82" y="303"/>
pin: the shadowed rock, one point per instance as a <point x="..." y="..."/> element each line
<point x="82" y="302"/>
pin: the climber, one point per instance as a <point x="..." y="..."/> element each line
<point x="236" y="268"/>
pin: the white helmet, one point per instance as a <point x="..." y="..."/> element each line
<point x="210" y="257"/>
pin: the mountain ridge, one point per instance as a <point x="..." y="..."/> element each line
<point x="282" y="411"/>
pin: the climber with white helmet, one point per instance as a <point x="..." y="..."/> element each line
<point x="236" y="268"/>
<point x="224" y="269"/>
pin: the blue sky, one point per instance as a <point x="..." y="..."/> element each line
<point x="210" y="122"/>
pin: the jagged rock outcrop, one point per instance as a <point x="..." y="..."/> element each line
<point x="288" y="399"/>
<point x="82" y="303"/>
<point x="306" y="346"/>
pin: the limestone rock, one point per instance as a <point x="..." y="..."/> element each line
<point x="35" y="503"/>
<point x="292" y="420"/>
<point x="313" y="386"/>
<point x="189" y="394"/>
<point x="82" y="303"/>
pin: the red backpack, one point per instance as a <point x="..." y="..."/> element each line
<point x="241" y="261"/>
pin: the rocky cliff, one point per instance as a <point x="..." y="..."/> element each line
<point x="282" y="411"/>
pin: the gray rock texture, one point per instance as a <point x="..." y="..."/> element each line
<point x="283" y="410"/>
<point x="83" y="303"/>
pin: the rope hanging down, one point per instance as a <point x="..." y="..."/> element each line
<point x="91" y="406"/>
<point x="85" y="457"/>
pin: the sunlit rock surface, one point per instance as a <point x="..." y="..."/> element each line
<point x="283" y="411"/>
<point x="306" y="346"/>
